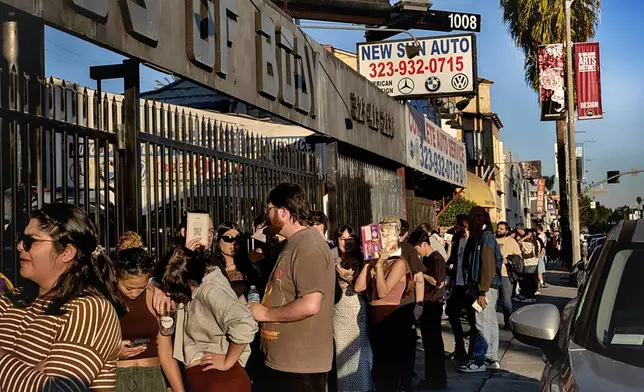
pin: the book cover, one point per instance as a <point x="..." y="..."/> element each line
<point x="371" y="241"/>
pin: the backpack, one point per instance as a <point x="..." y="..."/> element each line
<point x="515" y="267"/>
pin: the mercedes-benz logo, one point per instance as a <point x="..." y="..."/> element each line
<point x="405" y="86"/>
<point x="460" y="81"/>
<point x="432" y="84"/>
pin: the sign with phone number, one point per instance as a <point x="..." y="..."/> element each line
<point x="446" y="66"/>
<point x="433" y="151"/>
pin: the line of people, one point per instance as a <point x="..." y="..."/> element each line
<point x="327" y="319"/>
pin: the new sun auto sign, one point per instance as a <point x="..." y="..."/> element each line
<point x="446" y="66"/>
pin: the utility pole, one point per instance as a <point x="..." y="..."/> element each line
<point x="572" y="146"/>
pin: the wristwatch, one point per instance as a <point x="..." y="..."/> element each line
<point x="420" y="303"/>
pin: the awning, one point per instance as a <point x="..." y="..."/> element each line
<point x="478" y="191"/>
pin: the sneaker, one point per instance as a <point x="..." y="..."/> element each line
<point x="518" y="298"/>
<point x="544" y="285"/>
<point x="529" y="300"/>
<point x="494" y="365"/>
<point x="472" y="367"/>
<point x="538" y="292"/>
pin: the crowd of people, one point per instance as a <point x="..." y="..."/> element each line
<point x="325" y="319"/>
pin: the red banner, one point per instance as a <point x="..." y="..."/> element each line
<point x="587" y="72"/>
<point x="541" y="196"/>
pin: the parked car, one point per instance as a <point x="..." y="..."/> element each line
<point x="597" y="342"/>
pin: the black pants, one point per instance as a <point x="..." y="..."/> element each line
<point x="430" y="328"/>
<point x="389" y="338"/>
<point x="408" y="330"/>
<point x="276" y="381"/>
<point x="529" y="284"/>
<point x="457" y="302"/>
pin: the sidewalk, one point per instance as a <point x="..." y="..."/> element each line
<point x="521" y="365"/>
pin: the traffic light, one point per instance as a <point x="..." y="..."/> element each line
<point x="612" y="177"/>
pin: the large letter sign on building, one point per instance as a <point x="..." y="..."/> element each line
<point x="247" y="49"/>
<point x="446" y="66"/>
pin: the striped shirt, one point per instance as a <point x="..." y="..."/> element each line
<point x="79" y="348"/>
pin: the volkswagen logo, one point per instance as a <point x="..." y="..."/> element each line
<point x="405" y="86"/>
<point x="460" y="81"/>
<point x="432" y="84"/>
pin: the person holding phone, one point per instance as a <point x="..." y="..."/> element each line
<point x="145" y="352"/>
<point x="354" y="358"/>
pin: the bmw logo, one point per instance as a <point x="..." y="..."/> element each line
<point x="432" y="84"/>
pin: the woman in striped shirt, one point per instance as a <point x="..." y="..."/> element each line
<point x="63" y="334"/>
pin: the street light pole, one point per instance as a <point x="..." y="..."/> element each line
<point x="572" y="146"/>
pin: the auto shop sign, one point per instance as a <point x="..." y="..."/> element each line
<point x="433" y="151"/>
<point x="446" y="66"/>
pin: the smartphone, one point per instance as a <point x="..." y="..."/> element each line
<point x="139" y="342"/>
<point x="477" y="307"/>
<point x="198" y="226"/>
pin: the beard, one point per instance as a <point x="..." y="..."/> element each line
<point x="276" y="225"/>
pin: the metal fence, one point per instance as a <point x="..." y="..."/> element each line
<point x="59" y="142"/>
<point x="365" y="193"/>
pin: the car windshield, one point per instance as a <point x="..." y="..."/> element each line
<point x="620" y="316"/>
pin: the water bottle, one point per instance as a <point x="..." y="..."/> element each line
<point x="167" y="321"/>
<point x="253" y="294"/>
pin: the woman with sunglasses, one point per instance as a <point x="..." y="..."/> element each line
<point x="231" y="255"/>
<point x="215" y="330"/>
<point x="145" y="355"/>
<point x="353" y="350"/>
<point x="62" y="332"/>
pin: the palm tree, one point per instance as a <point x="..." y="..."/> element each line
<point x="532" y="23"/>
<point x="166" y="81"/>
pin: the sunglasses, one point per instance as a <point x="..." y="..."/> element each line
<point x="28" y="241"/>
<point x="229" y="239"/>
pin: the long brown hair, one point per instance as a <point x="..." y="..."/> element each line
<point x="410" y="285"/>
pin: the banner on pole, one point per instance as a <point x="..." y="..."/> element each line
<point x="587" y="73"/>
<point x="552" y="96"/>
<point x="541" y="196"/>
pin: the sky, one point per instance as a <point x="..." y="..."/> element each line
<point x="616" y="142"/>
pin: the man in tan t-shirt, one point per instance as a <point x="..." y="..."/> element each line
<point x="296" y="314"/>
<point x="509" y="246"/>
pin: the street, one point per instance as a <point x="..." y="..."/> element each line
<point x="521" y="365"/>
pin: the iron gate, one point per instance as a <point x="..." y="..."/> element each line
<point x="63" y="145"/>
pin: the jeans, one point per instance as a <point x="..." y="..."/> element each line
<point x="506" y="298"/>
<point x="430" y="327"/>
<point x="486" y="345"/>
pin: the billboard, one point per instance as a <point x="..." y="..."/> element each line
<point x="587" y="74"/>
<point x="433" y="151"/>
<point x="445" y="67"/>
<point x="541" y="196"/>
<point x="531" y="170"/>
<point x="552" y="96"/>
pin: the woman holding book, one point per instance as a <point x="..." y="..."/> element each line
<point x="385" y="280"/>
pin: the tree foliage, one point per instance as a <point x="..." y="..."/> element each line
<point x="459" y="206"/>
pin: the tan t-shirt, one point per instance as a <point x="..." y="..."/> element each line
<point x="304" y="267"/>
<point x="509" y="246"/>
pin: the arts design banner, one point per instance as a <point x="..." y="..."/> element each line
<point x="587" y="73"/>
<point x="552" y="96"/>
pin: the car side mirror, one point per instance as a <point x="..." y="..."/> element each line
<point x="538" y="326"/>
